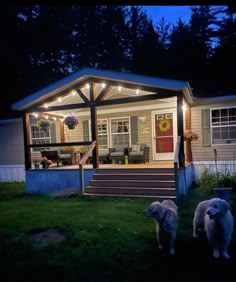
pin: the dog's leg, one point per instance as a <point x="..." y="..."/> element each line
<point x="172" y="243"/>
<point x="225" y="248"/>
<point x="216" y="252"/>
<point x="158" y="236"/>
<point x="195" y="227"/>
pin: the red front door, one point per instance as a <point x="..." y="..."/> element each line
<point x="164" y="133"/>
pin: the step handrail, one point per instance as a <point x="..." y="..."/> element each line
<point x="82" y="162"/>
<point x="176" y="165"/>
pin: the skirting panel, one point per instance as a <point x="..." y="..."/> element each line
<point x="12" y="173"/>
<point x="47" y="181"/>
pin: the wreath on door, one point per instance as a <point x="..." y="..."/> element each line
<point x="164" y="125"/>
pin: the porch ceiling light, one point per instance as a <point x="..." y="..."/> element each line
<point x="55" y="118"/>
<point x="103" y="85"/>
<point x="119" y="88"/>
<point x="87" y="85"/>
<point x="46" y="106"/>
<point x="59" y="99"/>
<point x="137" y="91"/>
<point x="36" y="115"/>
<point x="46" y="117"/>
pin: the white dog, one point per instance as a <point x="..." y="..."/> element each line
<point x="215" y="219"/>
<point x="166" y="215"/>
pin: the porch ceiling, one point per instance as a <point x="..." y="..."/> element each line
<point x="107" y="85"/>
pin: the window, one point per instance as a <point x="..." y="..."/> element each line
<point x="39" y="136"/>
<point x="102" y="128"/>
<point x="223" y="125"/>
<point x="120" y="131"/>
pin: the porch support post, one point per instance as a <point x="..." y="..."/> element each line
<point x="26" y="129"/>
<point x="62" y="133"/>
<point x="93" y="112"/>
<point x="188" y="126"/>
<point x="180" y="128"/>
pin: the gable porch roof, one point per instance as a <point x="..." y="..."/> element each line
<point x="122" y="77"/>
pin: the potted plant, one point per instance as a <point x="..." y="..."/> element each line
<point x="224" y="185"/>
<point x="189" y="135"/>
<point x="71" y="121"/>
<point x="43" y="124"/>
<point x="224" y="182"/>
<point x="45" y="162"/>
<point x="36" y="162"/>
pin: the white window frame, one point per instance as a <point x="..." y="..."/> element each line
<point x="222" y="142"/>
<point x="107" y="134"/>
<point x="108" y="130"/>
<point x="129" y="132"/>
<point x="38" y="149"/>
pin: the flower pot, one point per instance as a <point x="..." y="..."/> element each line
<point x="45" y="165"/>
<point x="71" y="126"/>
<point x="223" y="192"/>
<point x="36" y="165"/>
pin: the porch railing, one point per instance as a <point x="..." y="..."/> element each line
<point x="82" y="162"/>
<point x="176" y="165"/>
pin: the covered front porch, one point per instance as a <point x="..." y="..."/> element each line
<point x="113" y="110"/>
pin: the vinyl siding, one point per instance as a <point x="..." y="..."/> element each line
<point x="201" y="153"/>
<point x="11" y="143"/>
<point x="144" y="127"/>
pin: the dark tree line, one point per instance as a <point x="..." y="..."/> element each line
<point x="41" y="44"/>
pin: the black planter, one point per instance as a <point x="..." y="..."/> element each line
<point x="71" y="126"/>
<point x="223" y="192"/>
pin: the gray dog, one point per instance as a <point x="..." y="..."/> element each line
<point x="165" y="214"/>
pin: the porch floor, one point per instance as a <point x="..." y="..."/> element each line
<point x="160" y="164"/>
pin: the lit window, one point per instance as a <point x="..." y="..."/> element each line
<point x="39" y="136"/>
<point x="120" y="131"/>
<point x="223" y="125"/>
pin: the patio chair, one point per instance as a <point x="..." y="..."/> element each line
<point x="118" y="153"/>
<point x="58" y="156"/>
<point x="139" y="152"/>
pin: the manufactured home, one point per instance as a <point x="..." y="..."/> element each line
<point x="129" y="126"/>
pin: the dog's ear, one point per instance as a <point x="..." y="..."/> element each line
<point x="225" y="206"/>
<point x="158" y="211"/>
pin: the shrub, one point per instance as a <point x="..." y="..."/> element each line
<point x="210" y="180"/>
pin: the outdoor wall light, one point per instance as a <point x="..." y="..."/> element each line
<point x="142" y="118"/>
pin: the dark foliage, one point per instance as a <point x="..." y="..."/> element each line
<point x="41" y="44"/>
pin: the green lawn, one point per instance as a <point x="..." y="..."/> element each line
<point x="108" y="239"/>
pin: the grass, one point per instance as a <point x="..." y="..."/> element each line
<point x="108" y="239"/>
